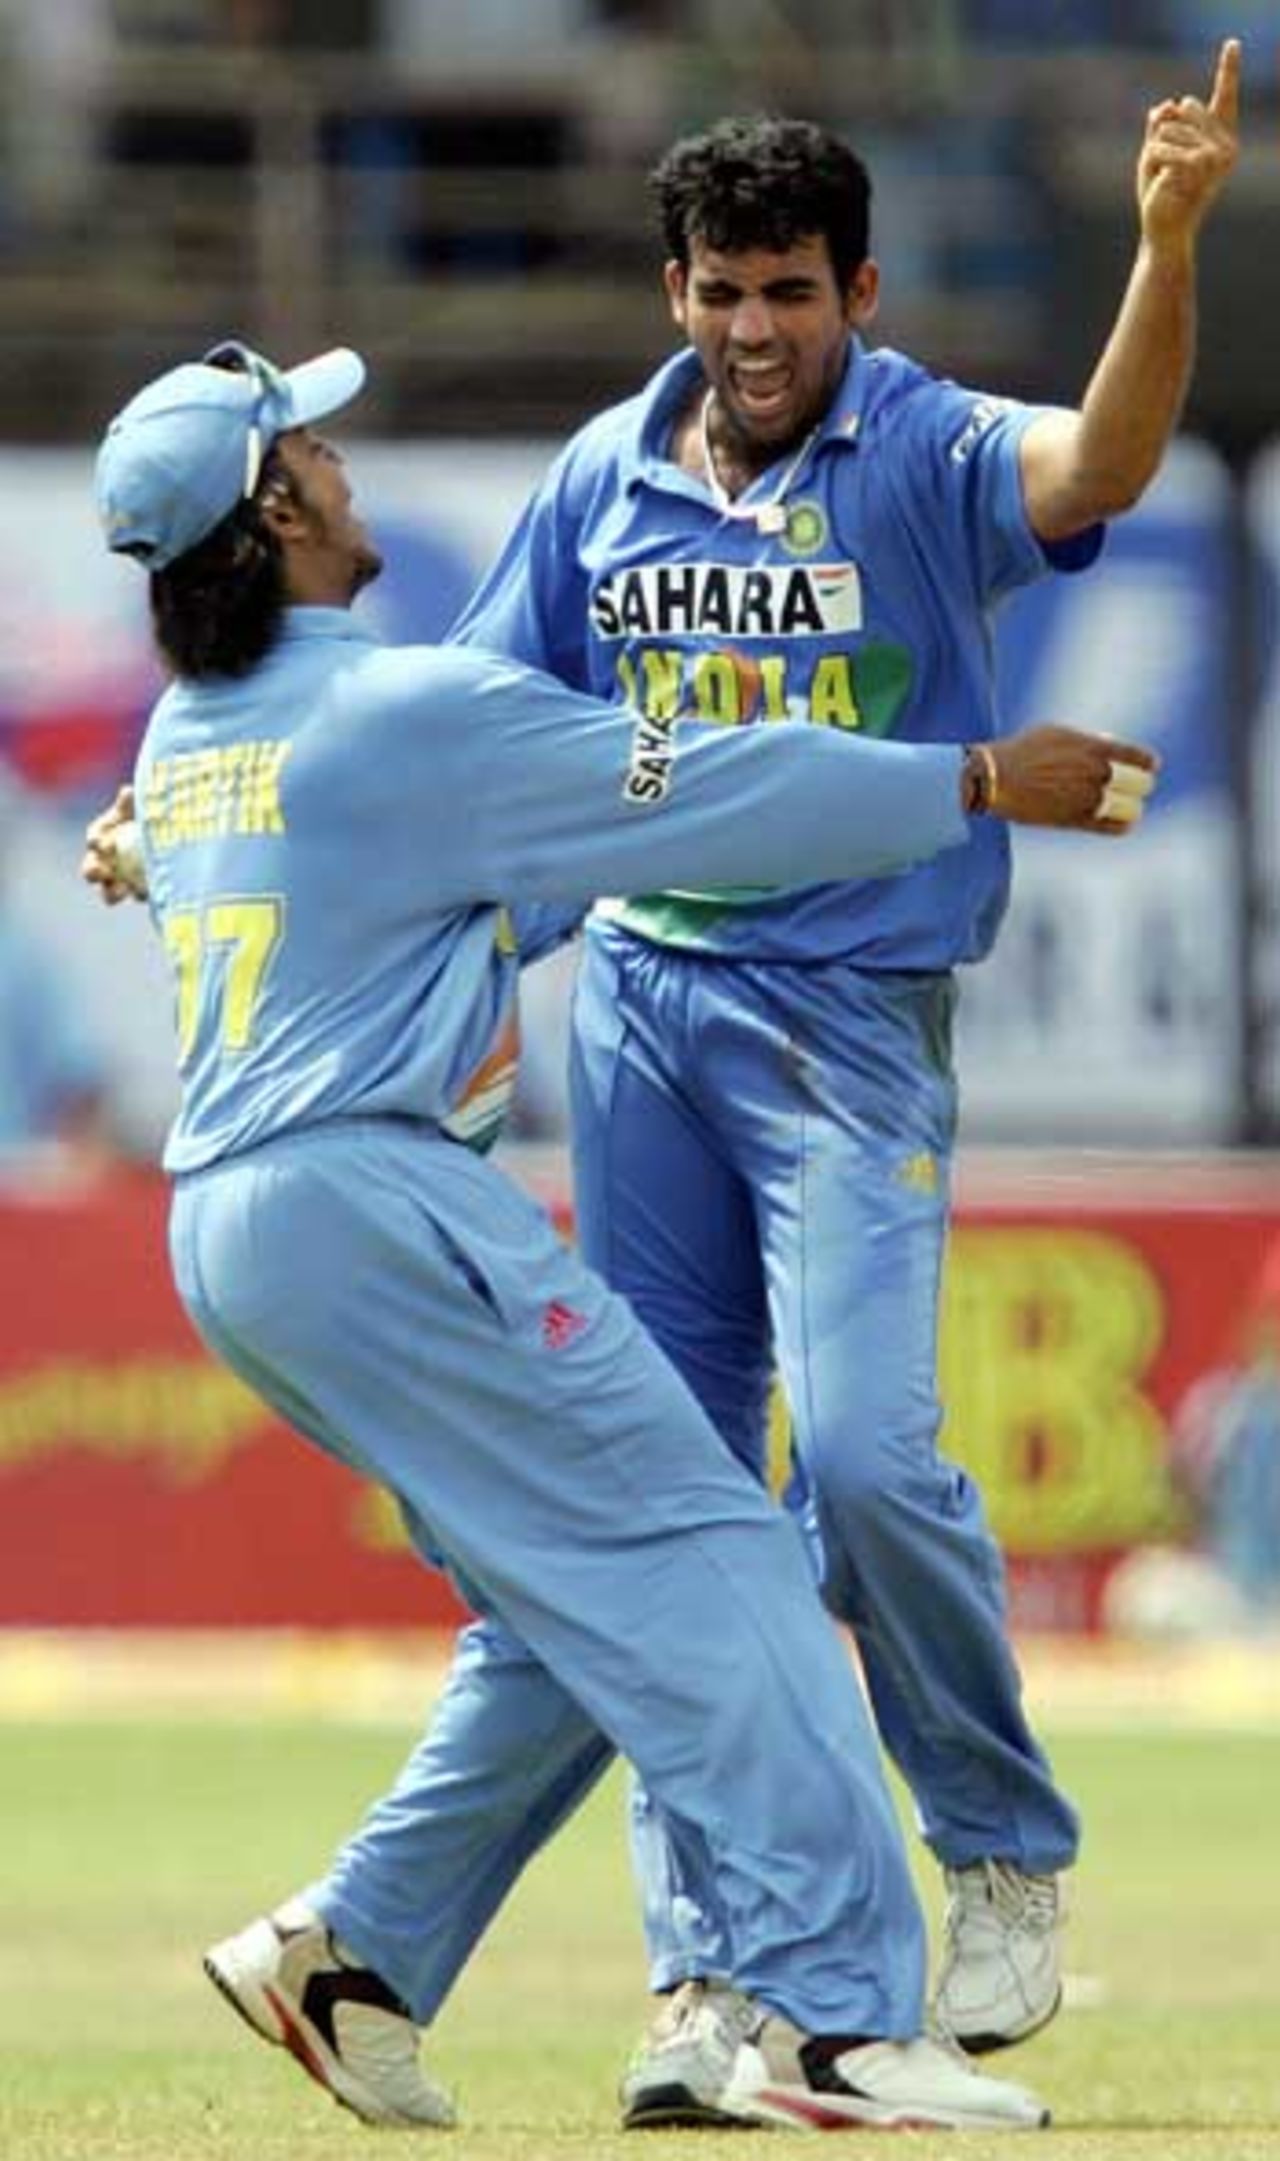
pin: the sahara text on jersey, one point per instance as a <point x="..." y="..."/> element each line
<point x="732" y="600"/>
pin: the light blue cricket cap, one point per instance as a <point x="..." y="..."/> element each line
<point x="180" y="455"/>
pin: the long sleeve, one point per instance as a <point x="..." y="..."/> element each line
<point x="502" y="785"/>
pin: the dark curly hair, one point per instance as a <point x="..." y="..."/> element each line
<point x="217" y="610"/>
<point x="766" y="183"/>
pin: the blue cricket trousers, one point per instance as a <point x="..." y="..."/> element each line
<point x="412" y="1311"/>
<point x="762" y="1162"/>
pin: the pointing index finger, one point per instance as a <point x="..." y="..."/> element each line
<point x="1224" y="101"/>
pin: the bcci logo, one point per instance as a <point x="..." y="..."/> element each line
<point x="806" y="528"/>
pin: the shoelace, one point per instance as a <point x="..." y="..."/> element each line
<point x="685" y="2005"/>
<point x="1020" y="1900"/>
<point x="732" y="2014"/>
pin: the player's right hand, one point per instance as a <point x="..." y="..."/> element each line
<point x="110" y="860"/>
<point x="1059" y="776"/>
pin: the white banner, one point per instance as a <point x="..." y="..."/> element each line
<point x="1262" y="510"/>
<point x="1111" y="1009"/>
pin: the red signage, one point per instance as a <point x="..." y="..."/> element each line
<point x="1080" y="1310"/>
<point x="140" y="1484"/>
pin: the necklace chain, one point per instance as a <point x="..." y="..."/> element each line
<point x="770" y="516"/>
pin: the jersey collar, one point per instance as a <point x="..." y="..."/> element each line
<point x="649" y="462"/>
<point x="309" y="623"/>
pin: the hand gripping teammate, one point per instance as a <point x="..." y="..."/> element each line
<point x="784" y="525"/>
<point x="348" y="850"/>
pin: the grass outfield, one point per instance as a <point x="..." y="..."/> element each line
<point x="126" y="1844"/>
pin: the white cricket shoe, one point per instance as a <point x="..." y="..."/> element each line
<point x="680" y="2067"/>
<point x="786" y="2078"/>
<point x="297" y="1986"/>
<point x="1001" y="1975"/>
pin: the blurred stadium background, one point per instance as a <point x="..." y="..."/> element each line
<point x="458" y="190"/>
<point x="455" y="186"/>
<point x="459" y="193"/>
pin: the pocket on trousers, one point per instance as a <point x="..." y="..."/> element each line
<point x="471" y="1275"/>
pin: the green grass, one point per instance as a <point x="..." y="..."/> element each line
<point x="125" y="1846"/>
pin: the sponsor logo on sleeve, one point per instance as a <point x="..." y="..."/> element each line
<point x="653" y="750"/>
<point x="983" y="417"/>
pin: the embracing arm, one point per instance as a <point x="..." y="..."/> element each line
<point x="1080" y="466"/>
<point x="566" y="796"/>
<point x="775" y="805"/>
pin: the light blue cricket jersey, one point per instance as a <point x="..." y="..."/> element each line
<point x="868" y="613"/>
<point x="329" y="846"/>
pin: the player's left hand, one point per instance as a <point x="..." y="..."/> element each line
<point x="1188" y="150"/>
<point x="110" y="860"/>
<point x="1048" y="775"/>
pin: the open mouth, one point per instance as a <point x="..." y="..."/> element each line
<point x="762" y="393"/>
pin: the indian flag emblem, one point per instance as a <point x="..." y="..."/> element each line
<point x="476" y="1118"/>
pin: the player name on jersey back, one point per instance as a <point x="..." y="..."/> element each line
<point x="734" y="600"/>
<point x="198" y="795"/>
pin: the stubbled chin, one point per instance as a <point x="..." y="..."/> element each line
<point x="773" y="409"/>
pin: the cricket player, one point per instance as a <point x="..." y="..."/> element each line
<point x="785" y="526"/>
<point x="349" y="851"/>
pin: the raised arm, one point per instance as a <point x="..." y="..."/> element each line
<point x="1080" y="466"/>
